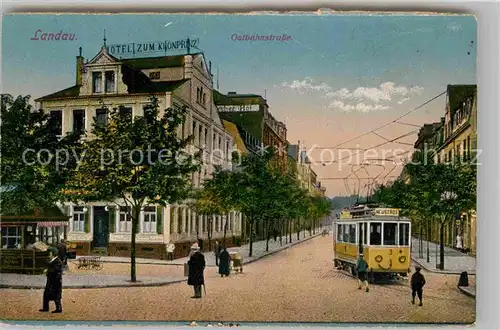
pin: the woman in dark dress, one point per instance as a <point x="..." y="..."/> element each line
<point x="53" y="287"/>
<point x="196" y="265"/>
<point x="224" y="260"/>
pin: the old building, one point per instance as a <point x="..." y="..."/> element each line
<point x="177" y="81"/>
<point x="251" y="113"/>
<point x="305" y="174"/>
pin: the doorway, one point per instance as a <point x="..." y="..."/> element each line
<point x="101" y="227"/>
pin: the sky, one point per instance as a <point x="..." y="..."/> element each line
<point x="338" y="76"/>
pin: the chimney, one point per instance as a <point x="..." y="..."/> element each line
<point x="79" y="67"/>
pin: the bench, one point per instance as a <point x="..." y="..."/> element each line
<point x="90" y="263"/>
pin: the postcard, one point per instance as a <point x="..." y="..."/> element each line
<point x="229" y="170"/>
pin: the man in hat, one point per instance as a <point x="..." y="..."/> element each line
<point x="53" y="287"/>
<point x="417" y="284"/>
<point x="196" y="265"/>
<point x="361" y="269"/>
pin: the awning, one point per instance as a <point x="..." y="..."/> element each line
<point x="52" y="223"/>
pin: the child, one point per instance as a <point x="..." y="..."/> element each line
<point x="417" y="283"/>
<point x="361" y="268"/>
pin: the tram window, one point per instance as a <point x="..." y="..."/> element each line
<point x="390" y="233"/>
<point x="339" y="233"/>
<point x="352" y="233"/>
<point x="345" y="232"/>
<point x="375" y="233"/>
<point x="404" y="233"/>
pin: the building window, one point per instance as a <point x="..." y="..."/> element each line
<point x="468" y="146"/>
<point x="125" y="221"/>
<point x="126" y="112"/>
<point x="438" y="159"/>
<point x="220" y="143"/>
<point x="56" y="115"/>
<point x="110" y="81"/>
<point x="78" y="219"/>
<point x="450" y="155"/>
<point x="96" y="82"/>
<point x="205" y="140"/>
<point x="78" y="121"/>
<point x="102" y="116"/>
<point x="172" y="221"/>
<point x="464" y="149"/>
<point x="149" y="223"/>
<point x="204" y="98"/>
<point x="11" y="237"/>
<point x="198" y="92"/>
<point x="200" y="134"/>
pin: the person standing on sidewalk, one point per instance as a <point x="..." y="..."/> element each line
<point x="170" y="251"/>
<point x="417" y="284"/>
<point x="217" y="253"/>
<point x="225" y="260"/>
<point x="53" y="287"/>
<point x="361" y="268"/>
<point x="196" y="265"/>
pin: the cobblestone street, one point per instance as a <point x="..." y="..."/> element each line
<point x="297" y="284"/>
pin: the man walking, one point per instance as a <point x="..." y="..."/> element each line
<point x="196" y="265"/>
<point x="361" y="268"/>
<point x="53" y="287"/>
<point x="417" y="284"/>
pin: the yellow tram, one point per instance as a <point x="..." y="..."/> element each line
<point x="381" y="234"/>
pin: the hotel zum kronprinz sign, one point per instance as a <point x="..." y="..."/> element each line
<point x="152" y="46"/>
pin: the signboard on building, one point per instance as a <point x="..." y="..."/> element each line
<point x="238" y="108"/>
<point x="386" y="212"/>
<point x="151" y="47"/>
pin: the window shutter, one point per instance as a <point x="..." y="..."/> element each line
<point x="87" y="220"/>
<point x="159" y="219"/>
<point x="112" y="219"/>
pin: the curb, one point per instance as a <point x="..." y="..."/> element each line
<point x="466" y="292"/>
<point x="97" y="286"/>
<point x="437" y="271"/>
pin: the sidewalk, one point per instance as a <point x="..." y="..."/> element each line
<point x="455" y="261"/>
<point x="80" y="281"/>
<point x="258" y="251"/>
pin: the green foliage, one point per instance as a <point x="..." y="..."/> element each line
<point x="140" y="162"/>
<point x="29" y="145"/>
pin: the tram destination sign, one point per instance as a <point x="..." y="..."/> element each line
<point x="386" y="212"/>
<point x="151" y="47"/>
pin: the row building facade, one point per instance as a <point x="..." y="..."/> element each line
<point x="177" y="81"/>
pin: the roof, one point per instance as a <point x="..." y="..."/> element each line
<point x="458" y="94"/>
<point x="73" y="91"/>
<point x="154" y="62"/>
<point x="237" y="99"/>
<point x="232" y="129"/>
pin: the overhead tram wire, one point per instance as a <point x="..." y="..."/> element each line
<point x="389" y="123"/>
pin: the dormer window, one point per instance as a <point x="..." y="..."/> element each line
<point x="96" y="82"/>
<point x="110" y="81"/>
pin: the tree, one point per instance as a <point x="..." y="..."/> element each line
<point x="204" y="202"/>
<point x="36" y="162"/>
<point x="250" y="182"/>
<point x="138" y="162"/>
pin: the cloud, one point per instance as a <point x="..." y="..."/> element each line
<point x="307" y="84"/>
<point x="361" y="107"/>
<point x="387" y="91"/>
<point x="362" y="99"/>
<point x="454" y="27"/>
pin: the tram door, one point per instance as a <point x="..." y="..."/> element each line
<point x="361" y="236"/>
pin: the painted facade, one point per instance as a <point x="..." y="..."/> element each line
<point x="177" y="81"/>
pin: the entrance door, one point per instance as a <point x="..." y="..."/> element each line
<point x="361" y="235"/>
<point x="101" y="227"/>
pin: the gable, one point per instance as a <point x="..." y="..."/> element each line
<point x="199" y="61"/>
<point x="103" y="57"/>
